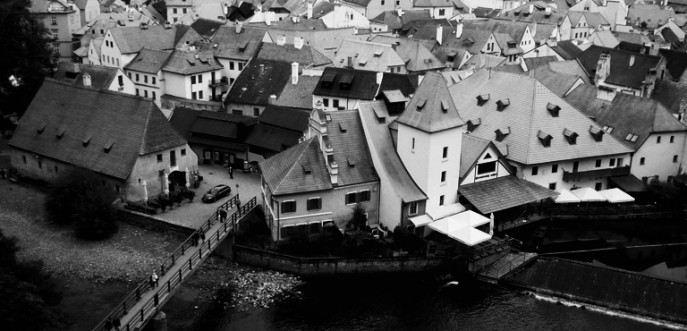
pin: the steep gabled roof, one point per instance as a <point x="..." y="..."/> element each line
<point x="351" y="152"/>
<point x="472" y="148"/>
<point x="621" y="72"/>
<point x="523" y="115"/>
<point x="131" y="39"/>
<point x="431" y="109"/>
<point x="671" y="95"/>
<point x="191" y="62"/>
<point x="149" y="61"/>
<point x="363" y="84"/>
<point x="76" y="125"/>
<point x="298" y="169"/>
<point x="417" y="57"/>
<point x="367" y="56"/>
<point x="299" y="95"/>
<point x="515" y="30"/>
<point x="258" y="80"/>
<point x="567" y="50"/>
<point x="293" y="119"/>
<point x="676" y="62"/>
<point x="239" y="46"/>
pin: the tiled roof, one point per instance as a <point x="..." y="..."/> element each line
<point x="483" y="61"/>
<point x="301" y="25"/>
<point x="631" y="37"/>
<point x="72" y="73"/>
<point x="351" y="152"/>
<point x="241" y="46"/>
<point x="626" y="114"/>
<point x="305" y="56"/>
<point x="381" y="143"/>
<point x="75" y="125"/>
<point x="395" y="22"/>
<point x="594" y="19"/>
<point x="433" y="3"/>
<point x="149" y="61"/>
<point x="190" y="62"/>
<point x="367" y="56"/>
<point x="567" y="50"/>
<point x="363" y="84"/>
<point x="504" y="192"/>
<point x="41" y="6"/>
<point x="676" y="62"/>
<point x="322" y="8"/>
<point x="621" y="73"/>
<point x="524" y="115"/>
<point x="605" y="38"/>
<point x="483" y="12"/>
<point x="536" y="62"/>
<point x="539" y="15"/>
<point x="362" y="3"/>
<point x="670" y="94"/>
<point x="299" y="95"/>
<point x="653" y="15"/>
<point x="258" y="80"/>
<point x="131" y="39"/>
<point x="417" y="57"/>
<point x="285" y="173"/>
<point x="211" y="127"/>
<point x="431" y="109"/>
<point x="558" y="82"/>
<point x="293" y="119"/>
<point x="515" y="30"/>
<point x="406" y="84"/>
<point x="412" y="27"/>
<point x="272" y="138"/>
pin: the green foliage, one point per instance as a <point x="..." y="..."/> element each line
<point x="81" y="200"/>
<point x="28" y="294"/>
<point x="29" y="57"/>
<point x="359" y="220"/>
<point x="406" y="240"/>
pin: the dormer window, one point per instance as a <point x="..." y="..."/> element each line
<point x="444" y="106"/>
<point x="421" y="104"/>
<point x="553" y="109"/>
<point x="243" y="46"/>
<point x="108" y="147"/>
<point x="306" y="169"/>
<point x="86" y="141"/>
<point x="511" y="44"/>
<point x="473" y="124"/>
<point x="346" y="81"/>
<point x="631" y="137"/>
<point x="502" y="104"/>
<point x="328" y="80"/>
<point x="482" y="99"/>
<point x="60" y="133"/>
<point x="41" y="128"/>
<point x="596" y="133"/>
<point x="379" y="53"/>
<point x="342" y="127"/>
<point x="351" y="162"/>
<point x="362" y="62"/>
<point x="502" y="133"/>
<point x="571" y="136"/>
<point x="544" y="138"/>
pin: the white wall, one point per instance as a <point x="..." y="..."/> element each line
<point x="345" y="103"/>
<point x="500" y="171"/>
<point x="545" y="176"/>
<point x="232" y="70"/>
<point x="147" y="89"/>
<point x="658" y="157"/>
<point x="127" y="86"/>
<point x="344" y="17"/>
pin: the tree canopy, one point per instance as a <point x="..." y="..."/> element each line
<point x="28" y="56"/>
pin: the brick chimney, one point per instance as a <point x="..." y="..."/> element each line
<point x="440" y="33"/>
<point x="294" y="73"/>
<point x="86" y="79"/>
<point x="298" y="42"/>
<point x="603" y="68"/>
<point x="309" y="6"/>
<point x="238" y="27"/>
<point x="281" y="39"/>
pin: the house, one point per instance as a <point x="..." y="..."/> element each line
<point x="649" y="16"/>
<point x="178" y="8"/>
<point x="278" y="129"/>
<point x="88" y="10"/>
<point x="566" y="49"/>
<point x="305" y="56"/>
<point x="547" y="17"/>
<point x="545" y="49"/>
<point x="96" y="77"/>
<point x="672" y="33"/>
<point x="145" y="70"/>
<point x="580" y="25"/>
<point x="337" y="15"/>
<point x="532" y="63"/>
<point x="299" y="93"/>
<point x="506" y="31"/>
<point x="454" y="46"/>
<point x="623" y="71"/>
<point x="615" y="11"/>
<point x="561" y="77"/>
<point x="215" y="137"/>
<point x="344" y="89"/>
<point x="235" y="47"/>
<point x="645" y="125"/>
<point x="673" y="96"/>
<point x="193" y="74"/>
<point x="97" y="28"/>
<point x="121" y="44"/>
<point x="123" y="139"/>
<point x="604" y="38"/>
<point x="363" y="55"/>
<point x="549" y="142"/>
<point x="320" y="181"/>
<point x="418" y="59"/>
<point x="61" y="18"/>
<point x="394" y="20"/>
<point x="436" y="8"/>
<point x="259" y="85"/>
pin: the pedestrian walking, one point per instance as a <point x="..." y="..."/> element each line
<point x="156" y="299"/>
<point x="108" y="324"/>
<point x="116" y="323"/>
<point x="231" y="172"/>
<point x="222" y="215"/>
<point x="154" y="278"/>
<point x="151" y="282"/>
<point x="195" y="239"/>
<point x="202" y="236"/>
<point x="238" y="204"/>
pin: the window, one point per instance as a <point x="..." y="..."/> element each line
<point x="40" y="164"/>
<point x="442" y="12"/>
<point x="120" y="80"/>
<point x="486" y="168"/>
<point x="137" y="78"/>
<point x="288" y="206"/>
<point x="153" y="95"/>
<point x="443" y="176"/>
<point x="552" y="186"/>
<point x="183" y="152"/>
<point x="231" y="65"/>
<point x="145" y="93"/>
<point x="611" y="163"/>
<point x="363" y="196"/>
<point x="256" y="112"/>
<point x="183" y="10"/>
<point x="159" y="158"/>
<point x="441" y="200"/>
<point x="128" y="74"/>
<point x="325" y="102"/>
<point x="23" y="158"/>
<point x="53" y="20"/>
<point x="641" y="161"/>
<point x="193" y="80"/>
<point x="335" y="103"/>
<point x="240" y="66"/>
<point x="535" y="170"/>
<point x="674" y="158"/>
<point x="413" y="147"/>
<point x="237" y="111"/>
<point x="200" y="78"/>
<point x="117" y="188"/>
<point x="137" y="92"/>
<point x="117" y="59"/>
<point x="200" y="95"/>
<point x="145" y="79"/>
<point x="382" y="2"/>
<point x="658" y="139"/>
<point x="55" y="33"/>
<point x="576" y="165"/>
<point x="598" y="186"/>
<point x="598" y="163"/>
<point x="620" y="162"/>
<point x="153" y="80"/>
<point x="174" y="10"/>
<point x="554" y="168"/>
<point x="314" y="203"/>
<point x="412" y="208"/>
<point x="57" y="170"/>
<point x="445" y="152"/>
<point x="350" y="198"/>
<point x="672" y="139"/>
<point x="193" y="95"/>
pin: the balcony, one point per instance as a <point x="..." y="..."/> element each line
<point x="598" y="173"/>
<point x="222" y="82"/>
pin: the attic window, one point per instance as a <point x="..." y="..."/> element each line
<point x="379" y="53"/>
<point x="108" y="147"/>
<point x="306" y="169"/>
<point x="596" y="133"/>
<point x="553" y="109"/>
<point x="328" y="80"/>
<point x="473" y="124"/>
<point x="243" y="46"/>
<point x="444" y="106"/>
<point x="346" y="81"/>
<point x="511" y="44"/>
<point x="502" y="133"/>
<point x="421" y="104"/>
<point x="86" y="141"/>
<point x="502" y="104"/>
<point x="60" y="133"/>
<point x="71" y="74"/>
<point x="351" y="163"/>
<point x="41" y="128"/>
<point x="631" y="137"/>
<point x="544" y="138"/>
<point x="471" y="40"/>
<point x="342" y="127"/>
<point x="608" y="129"/>
<point x="191" y="61"/>
<point x="451" y="56"/>
<point x="571" y="136"/>
<point x="482" y="99"/>
<point x="362" y="62"/>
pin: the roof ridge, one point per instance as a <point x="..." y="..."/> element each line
<point x="144" y="137"/>
<point x="293" y="165"/>
<point x="532" y="110"/>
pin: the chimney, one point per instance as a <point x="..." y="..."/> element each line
<point x="632" y="61"/>
<point x="440" y="33"/>
<point x="294" y="73"/>
<point x="273" y="99"/>
<point x="547" y="11"/>
<point x="603" y="68"/>
<point x="268" y="18"/>
<point x="298" y="42"/>
<point x="399" y="11"/>
<point x="380" y="76"/>
<point x="86" y="79"/>
<point x="238" y="27"/>
<point x="225" y="9"/>
<point x="531" y="9"/>
<point x="309" y="5"/>
<point x="603" y="3"/>
<point x="350" y="63"/>
<point x="168" y="25"/>
<point x="459" y="30"/>
<point x="334" y="172"/>
<point x="281" y="39"/>
<point x="262" y="68"/>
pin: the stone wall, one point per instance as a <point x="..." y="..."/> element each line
<point x="151" y="223"/>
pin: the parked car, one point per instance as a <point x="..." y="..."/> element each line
<point x="216" y="193"/>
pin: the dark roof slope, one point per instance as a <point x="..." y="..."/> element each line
<point x="76" y="125"/>
<point x="191" y="62"/>
<point x="676" y="62"/>
<point x="351" y="153"/>
<point x="621" y="73"/>
<point x="260" y="79"/>
<point x="567" y="50"/>
<point x="149" y="61"/>
<point x="431" y="109"/>
<point x="72" y="73"/>
<point x="672" y="95"/>
<point x="407" y="84"/>
<point x="241" y="46"/>
<point x="363" y="84"/>
<point x="305" y="56"/>
<point x="294" y="119"/>
<point x="205" y="27"/>
<point x="300" y="168"/>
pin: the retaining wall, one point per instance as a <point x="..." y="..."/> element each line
<point x="151" y="223"/>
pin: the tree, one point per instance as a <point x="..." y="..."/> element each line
<point x="28" y="57"/>
<point x="29" y="298"/>
<point x="79" y="199"/>
<point x="359" y="218"/>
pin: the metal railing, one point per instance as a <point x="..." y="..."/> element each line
<point x="163" y="292"/>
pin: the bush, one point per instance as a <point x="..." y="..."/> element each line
<point x="80" y="200"/>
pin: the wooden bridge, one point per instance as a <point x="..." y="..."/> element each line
<point x="145" y="301"/>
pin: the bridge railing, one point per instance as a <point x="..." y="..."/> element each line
<point x="207" y="246"/>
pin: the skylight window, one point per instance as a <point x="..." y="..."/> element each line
<point x="444" y="106"/>
<point x="421" y="104"/>
<point x="607" y="128"/>
<point x="473" y="124"/>
<point x="502" y="133"/>
<point x="631" y="137"/>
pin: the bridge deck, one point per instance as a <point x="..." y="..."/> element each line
<point x="144" y="301"/>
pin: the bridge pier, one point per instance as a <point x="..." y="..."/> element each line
<point x="159" y="322"/>
<point x="225" y="249"/>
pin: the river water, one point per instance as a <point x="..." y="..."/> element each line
<point x="414" y="304"/>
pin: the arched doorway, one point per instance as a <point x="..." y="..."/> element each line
<point x="177" y="181"/>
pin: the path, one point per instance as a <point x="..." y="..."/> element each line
<point x="503" y="266"/>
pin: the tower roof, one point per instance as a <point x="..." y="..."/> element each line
<point x="431" y="109"/>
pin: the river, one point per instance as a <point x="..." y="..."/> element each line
<point x="413" y="304"/>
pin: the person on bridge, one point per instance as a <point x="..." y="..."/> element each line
<point x="238" y="205"/>
<point x="116" y="323"/>
<point x="195" y="239"/>
<point x="222" y="215"/>
<point x="108" y="324"/>
<point x="231" y="172"/>
<point x="202" y="236"/>
<point x="154" y="278"/>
